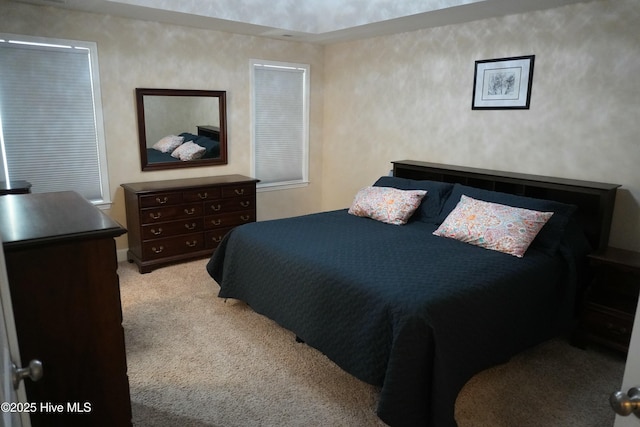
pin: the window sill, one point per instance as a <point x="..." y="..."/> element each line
<point x="103" y="205"/>
<point x="280" y="186"/>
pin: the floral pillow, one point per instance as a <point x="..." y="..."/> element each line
<point x="386" y="204"/>
<point x="551" y="235"/>
<point x="168" y="143"/>
<point x="493" y="226"/>
<point x="437" y="194"/>
<point x="188" y="151"/>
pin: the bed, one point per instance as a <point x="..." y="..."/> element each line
<point x="415" y="313"/>
<point x="208" y="140"/>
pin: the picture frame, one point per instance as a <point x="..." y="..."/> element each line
<point x="503" y="84"/>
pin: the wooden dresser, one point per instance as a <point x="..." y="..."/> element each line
<point x="182" y="219"/>
<point x="62" y="269"/>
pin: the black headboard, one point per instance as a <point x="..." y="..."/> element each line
<point x="595" y="200"/>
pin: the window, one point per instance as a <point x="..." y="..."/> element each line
<point x="280" y="137"/>
<point x="51" y="130"/>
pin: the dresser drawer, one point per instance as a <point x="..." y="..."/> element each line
<point x="229" y="205"/>
<point x="160" y="199"/>
<point x="611" y="325"/>
<point x="215" y="236"/>
<point x="167" y="213"/>
<point x="162" y="248"/>
<point x="202" y="194"/>
<point x="172" y="228"/>
<point x="229" y="219"/>
<point x="239" y="190"/>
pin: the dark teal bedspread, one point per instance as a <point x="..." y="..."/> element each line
<point x="395" y="306"/>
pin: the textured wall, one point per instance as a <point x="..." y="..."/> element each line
<point x="391" y="98"/>
<point x="408" y="96"/>
<point x="134" y="53"/>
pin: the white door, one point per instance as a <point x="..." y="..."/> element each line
<point x="15" y="409"/>
<point x="631" y="373"/>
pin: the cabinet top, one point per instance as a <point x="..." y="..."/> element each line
<point x="33" y="219"/>
<point x="521" y="178"/>
<point x="178" y="184"/>
<point x="17" y="186"/>
<point x="616" y="256"/>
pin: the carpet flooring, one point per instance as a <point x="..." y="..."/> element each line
<point x="197" y="360"/>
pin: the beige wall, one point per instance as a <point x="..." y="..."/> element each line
<point x="408" y="96"/>
<point x="135" y="53"/>
<point x="405" y="96"/>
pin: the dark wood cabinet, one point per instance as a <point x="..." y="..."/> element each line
<point x="62" y="269"/>
<point x="183" y="219"/>
<point x="14" y="187"/>
<point x="610" y="302"/>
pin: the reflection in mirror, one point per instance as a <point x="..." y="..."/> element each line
<point x="181" y="128"/>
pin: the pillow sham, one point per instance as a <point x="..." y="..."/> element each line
<point x="386" y="204"/>
<point x="188" y="151"/>
<point x="493" y="226"/>
<point x="432" y="203"/>
<point x="548" y="239"/>
<point x="168" y="143"/>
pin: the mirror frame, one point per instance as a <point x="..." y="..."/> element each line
<point x="142" y="133"/>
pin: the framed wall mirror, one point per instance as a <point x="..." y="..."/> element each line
<point x="181" y="128"/>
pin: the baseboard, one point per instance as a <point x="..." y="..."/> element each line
<point x="122" y="254"/>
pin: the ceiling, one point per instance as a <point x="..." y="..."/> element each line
<point x="314" y="21"/>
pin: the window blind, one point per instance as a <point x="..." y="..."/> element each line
<point x="280" y="124"/>
<point x="48" y="119"/>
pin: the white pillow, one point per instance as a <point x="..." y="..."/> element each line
<point x="188" y="151"/>
<point x="168" y="143"/>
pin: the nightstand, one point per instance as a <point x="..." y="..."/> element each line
<point x="611" y="300"/>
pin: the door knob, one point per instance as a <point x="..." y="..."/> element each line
<point x="626" y="404"/>
<point x="34" y="371"/>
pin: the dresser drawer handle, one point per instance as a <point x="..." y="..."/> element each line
<point x="245" y="204"/>
<point x="190" y="211"/>
<point x="191" y="226"/>
<point x="155" y="215"/>
<point x="239" y="191"/>
<point x="202" y="195"/>
<point x="217" y="239"/>
<point x="216" y="221"/>
<point x="163" y="201"/>
<point x="245" y="217"/>
<point x="192" y="243"/>
<point x="156" y="232"/>
<point x="216" y="207"/>
<point x="616" y="330"/>
<point x="157" y="250"/>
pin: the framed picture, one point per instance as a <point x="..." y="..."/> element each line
<point x="503" y="84"/>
